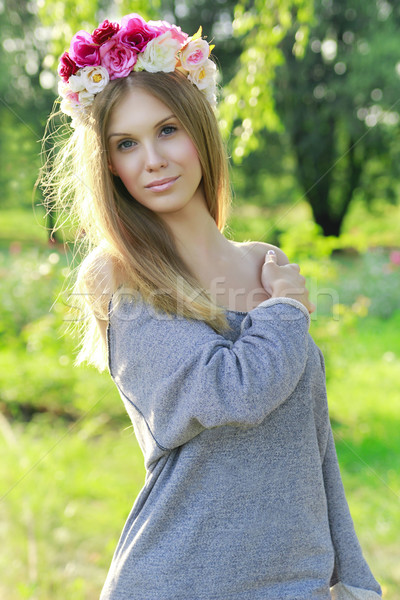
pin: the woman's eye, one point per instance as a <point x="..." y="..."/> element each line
<point x="128" y="144"/>
<point x="171" y="129"/>
<point x="125" y="145"/>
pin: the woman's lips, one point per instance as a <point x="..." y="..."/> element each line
<point x="162" y="186"/>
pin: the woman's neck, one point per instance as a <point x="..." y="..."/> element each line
<point x="198" y="239"/>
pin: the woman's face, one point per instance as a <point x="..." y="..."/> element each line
<point x="148" y="145"/>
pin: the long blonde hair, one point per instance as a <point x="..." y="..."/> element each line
<point x="113" y="226"/>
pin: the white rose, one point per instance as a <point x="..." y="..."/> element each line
<point x="211" y="97"/>
<point x="76" y="82"/>
<point x="159" y="55"/>
<point x="94" y="79"/>
<point x="204" y="77"/>
<point x="85" y="98"/>
<point x="63" y="89"/>
<point x="70" y="107"/>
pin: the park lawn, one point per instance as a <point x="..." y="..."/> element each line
<point x="68" y="488"/>
<point x="69" y="482"/>
<point x="68" y="491"/>
<point x="363" y="384"/>
<point x="23" y="226"/>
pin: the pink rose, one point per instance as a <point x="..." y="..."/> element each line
<point x="66" y="92"/>
<point x="72" y="96"/>
<point x="118" y="59"/>
<point x="195" y="54"/>
<point x="83" y="50"/>
<point x="104" y="32"/>
<point x="136" y="33"/>
<point x="67" y="67"/>
<point x="176" y="32"/>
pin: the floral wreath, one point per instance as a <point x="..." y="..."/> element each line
<point x="114" y="50"/>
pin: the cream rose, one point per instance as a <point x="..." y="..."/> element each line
<point x="204" y="76"/>
<point x="65" y="92"/>
<point x="159" y="54"/>
<point x="85" y="98"/>
<point x="63" y="89"/>
<point x="195" y="54"/>
<point x="76" y="82"/>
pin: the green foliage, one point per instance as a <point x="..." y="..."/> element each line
<point x="68" y="17"/>
<point x="20" y="227"/>
<point x="20" y="163"/>
<point x="35" y="318"/>
<point x="365" y="281"/>
<point x="326" y="77"/>
<point x="305" y="241"/>
<point x="377" y="281"/>
<point x="248" y="98"/>
<point x="377" y="225"/>
<point x="23" y="101"/>
<point x="339" y="107"/>
<point x="23" y="50"/>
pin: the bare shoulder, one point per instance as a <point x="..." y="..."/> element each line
<point x="97" y="280"/>
<point x="261" y="248"/>
<point x="96" y="272"/>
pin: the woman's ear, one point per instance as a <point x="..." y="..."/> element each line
<point x="113" y="171"/>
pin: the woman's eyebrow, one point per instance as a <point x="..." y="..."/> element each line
<point x="155" y="126"/>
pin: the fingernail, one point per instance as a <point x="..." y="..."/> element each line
<point x="270" y="256"/>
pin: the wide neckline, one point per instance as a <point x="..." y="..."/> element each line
<point x="236" y="312"/>
<point x="228" y="310"/>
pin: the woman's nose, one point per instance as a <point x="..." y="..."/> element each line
<point x="154" y="159"/>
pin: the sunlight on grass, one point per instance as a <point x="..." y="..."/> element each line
<point x="73" y="466"/>
<point x="364" y="399"/>
<point x="67" y="497"/>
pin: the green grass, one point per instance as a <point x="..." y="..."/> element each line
<point x="73" y="466"/>
<point x="25" y="227"/>
<point x="68" y="492"/>
<point x="71" y="488"/>
<point x="28" y="228"/>
<point x="363" y="390"/>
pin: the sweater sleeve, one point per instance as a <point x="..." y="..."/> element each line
<point x="351" y="571"/>
<point x="351" y="578"/>
<point x="183" y="377"/>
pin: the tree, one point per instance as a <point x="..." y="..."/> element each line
<point x="341" y="110"/>
<point x="248" y="96"/>
<point x="64" y="19"/>
<point x="338" y="103"/>
<point x="21" y="107"/>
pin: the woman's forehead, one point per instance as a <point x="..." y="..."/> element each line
<point x="138" y="108"/>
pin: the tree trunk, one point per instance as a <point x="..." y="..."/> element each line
<point x="316" y="162"/>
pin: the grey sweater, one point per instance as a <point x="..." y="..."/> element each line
<point x="243" y="498"/>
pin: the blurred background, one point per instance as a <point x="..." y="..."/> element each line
<point x="310" y="109"/>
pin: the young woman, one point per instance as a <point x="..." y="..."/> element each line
<point x="206" y="339"/>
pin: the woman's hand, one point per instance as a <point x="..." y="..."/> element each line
<point x="284" y="281"/>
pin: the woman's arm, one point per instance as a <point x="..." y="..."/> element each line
<point x="183" y="377"/>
